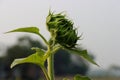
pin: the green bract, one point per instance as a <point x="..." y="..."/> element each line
<point x="62" y="30"/>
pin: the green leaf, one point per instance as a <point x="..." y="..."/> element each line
<point x="65" y="79"/>
<point x="26" y="29"/>
<point x="39" y="51"/>
<point x="83" y="54"/>
<point x="34" y="30"/>
<point x="36" y="58"/>
<point x="78" y="77"/>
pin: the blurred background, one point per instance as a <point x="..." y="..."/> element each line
<point x="97" y="20"/>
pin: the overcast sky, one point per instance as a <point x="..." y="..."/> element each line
<point x="98" y="20"/>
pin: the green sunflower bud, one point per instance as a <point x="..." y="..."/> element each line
<point x="62" y="30"/>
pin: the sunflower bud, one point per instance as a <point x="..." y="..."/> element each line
<point x="62" y="30"/>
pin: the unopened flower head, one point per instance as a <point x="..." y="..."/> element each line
<point x="62" y="30"/>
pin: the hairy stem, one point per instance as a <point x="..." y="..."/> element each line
<point x="43" y="39"/>
<point x="50" y="67"/>
<point x="45" y="73"/>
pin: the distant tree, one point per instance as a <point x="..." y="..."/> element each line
<point x="66" y="64"/>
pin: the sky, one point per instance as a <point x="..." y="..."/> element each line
<point x="98" y="20"/>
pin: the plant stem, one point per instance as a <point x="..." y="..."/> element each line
<point x="45" y="73"/>
<point x="50" y="67"/>
<point x="43" y="39"/>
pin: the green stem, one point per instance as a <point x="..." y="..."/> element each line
<point x="50" y="67"/>
<point x="45" y="73"/>
<point x="43" y="39"/>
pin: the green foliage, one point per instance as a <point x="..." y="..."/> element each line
<point x="36" y="58"/>
<point x="34" y="30"/>
<point x="65" y="79"/>
<point x="83" y="54"/>
<point x="78" y="77"/>
<point x="63" y="36"/>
